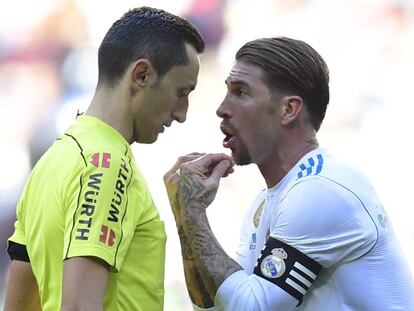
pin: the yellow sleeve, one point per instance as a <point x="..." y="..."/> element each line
<point x="98" y="222"/>
<point x="18" y="235"/>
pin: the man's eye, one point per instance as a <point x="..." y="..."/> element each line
<point x="240" y="93"/>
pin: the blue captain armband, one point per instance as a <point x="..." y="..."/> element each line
<point x="286" y="267"/>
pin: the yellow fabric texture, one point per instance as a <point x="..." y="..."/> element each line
<point x="86" y="197"/>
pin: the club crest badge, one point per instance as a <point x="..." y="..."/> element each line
<point x="258" y="214"/>
<point x="273" y="266"/>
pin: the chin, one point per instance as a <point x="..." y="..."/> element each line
<point x="241" y="159"/>
<point x="147" y="140"/>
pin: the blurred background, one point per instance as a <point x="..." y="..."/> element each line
<point x="48" y="71"/>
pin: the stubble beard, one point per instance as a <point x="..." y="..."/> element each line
<point x="242" y="158"/>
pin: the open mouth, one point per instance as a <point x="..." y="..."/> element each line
<point x="229" y="137"/>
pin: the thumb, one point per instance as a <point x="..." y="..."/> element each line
<point x="219" y="170"/>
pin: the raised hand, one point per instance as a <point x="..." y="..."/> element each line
<point x="172" y="180"/>
<point x="203" y="171"/>
<point x="200" y="179"/>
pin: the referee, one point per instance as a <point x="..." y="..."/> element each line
<point x="88" y="235"/>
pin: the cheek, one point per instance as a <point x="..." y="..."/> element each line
<point x="258" y="129"/>
<point x="251" y="121"/>
<point x="166" y="103"/>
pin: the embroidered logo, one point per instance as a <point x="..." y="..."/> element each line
<point x="273" y="266"/>
<point x="257" y="214"/>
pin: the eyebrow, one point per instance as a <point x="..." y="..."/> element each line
<point x="238" y="82"/>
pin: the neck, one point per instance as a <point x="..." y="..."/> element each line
<point x="283" y="159"/>
<point x="109" y="105"/>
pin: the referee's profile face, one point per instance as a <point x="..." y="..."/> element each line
<point x="166" y="99"/>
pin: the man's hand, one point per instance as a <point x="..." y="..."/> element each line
<point x="172" y="180"/>
<point x="192" y="184"/>
<point x="200" y="179"/>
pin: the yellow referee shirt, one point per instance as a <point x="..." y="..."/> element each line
<point x="86" y="197"/>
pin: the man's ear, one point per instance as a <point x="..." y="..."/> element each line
<point x="292" y="107"/>
<point x="141" y="71"/>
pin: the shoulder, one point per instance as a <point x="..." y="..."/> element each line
<point x="324" y="180"/>
<point x="326" y="198"/>
<point x="91" y="135"/>
<point x="324" y="219"/>
<point x="316" y="197"/>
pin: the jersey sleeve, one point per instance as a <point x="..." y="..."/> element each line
<point x="17" y="242"/>
<point x="241" y="291"/>
<point x="98" y="222"/>
<point x="16" y="248"/>
<point x="18" y="235"/>
<point x="325" y="221"/>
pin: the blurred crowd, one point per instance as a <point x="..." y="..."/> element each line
<point x="48" y="72"/>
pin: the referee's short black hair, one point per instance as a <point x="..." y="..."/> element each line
<point x="291" y="67"/>
<point x="148" y="33"/>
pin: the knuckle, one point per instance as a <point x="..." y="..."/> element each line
<point x="185" y="168"/>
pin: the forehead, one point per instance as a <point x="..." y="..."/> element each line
<point x="246" y="73"/>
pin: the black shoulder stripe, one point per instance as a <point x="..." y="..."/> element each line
<point x="286" y="267"/>
<point x="17" y="251"/>
<point x="80" y="147"/>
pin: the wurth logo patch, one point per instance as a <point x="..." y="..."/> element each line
<point x="119" y="191"/>
<point x="87" y="209"/>
<point x="101" y="159"/>
<point x="107" y="236"/>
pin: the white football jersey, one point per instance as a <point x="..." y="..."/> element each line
<point x="330" y="246"/>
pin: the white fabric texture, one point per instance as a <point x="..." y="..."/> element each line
<point x="329" y="212"/>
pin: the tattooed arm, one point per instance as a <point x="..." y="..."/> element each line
<point x="227" y="283"/>
<point x="198" y="186"/>
<point x="195" y="285"/>
<point x="198" y="292"/>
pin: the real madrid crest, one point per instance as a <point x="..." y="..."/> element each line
<point x="273" y="266"/>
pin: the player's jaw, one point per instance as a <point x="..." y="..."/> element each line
<point x="147" y="132"/>
<point x="234" y="142"/>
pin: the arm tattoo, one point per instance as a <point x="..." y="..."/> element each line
<point x="212" y="262"/>
<point x="195" y="285"/>
<point x="196" y="288"/>
<point x="192" y="190"/>
<point x="186" y="251"/>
